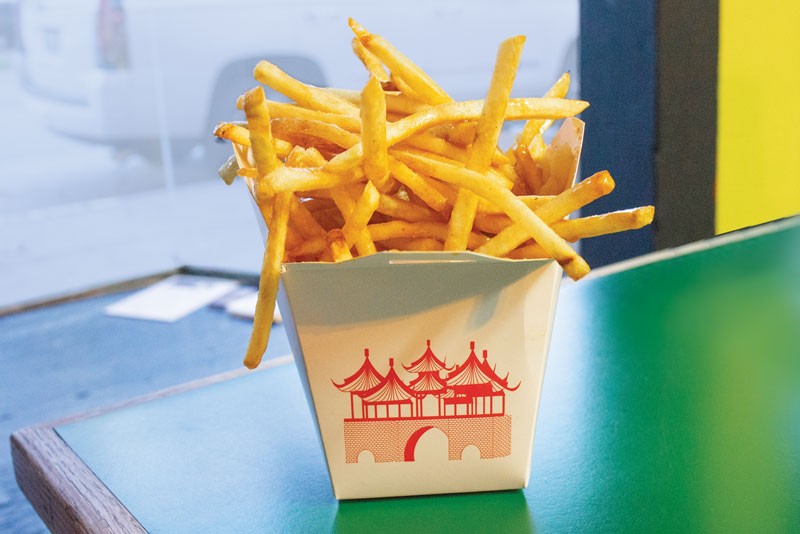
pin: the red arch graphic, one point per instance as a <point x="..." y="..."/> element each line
<point x="411" y="444"/>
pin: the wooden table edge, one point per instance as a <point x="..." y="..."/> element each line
<point x="63" y="490"/>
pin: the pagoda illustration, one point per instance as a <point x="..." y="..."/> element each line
<point x="466" y="402"/>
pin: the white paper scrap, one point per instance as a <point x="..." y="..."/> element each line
<point x="245" y="307"/>
<point x="172" y="298"/>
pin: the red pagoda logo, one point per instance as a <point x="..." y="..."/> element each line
<point x="388" y="416"/>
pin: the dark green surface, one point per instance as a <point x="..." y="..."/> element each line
<point x="671" y="403"/>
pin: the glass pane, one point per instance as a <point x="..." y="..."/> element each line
<point x="109" y="165"/>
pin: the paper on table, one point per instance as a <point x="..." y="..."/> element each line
<point x="172" y="298"/>
<point x="245" y="307"/>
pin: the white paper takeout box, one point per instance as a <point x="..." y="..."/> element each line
<point x="423" y="369"/>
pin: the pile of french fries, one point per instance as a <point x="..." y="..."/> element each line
<point x="401" y="166"/>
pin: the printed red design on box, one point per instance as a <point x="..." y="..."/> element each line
<point x="470" y="408"/>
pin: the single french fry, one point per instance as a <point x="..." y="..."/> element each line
<point x="233" y="132"/>
<point x="538" y="126"/>
<point x="403" y="68"/>
<point x="487" y="133"/>
<point x="268" y="284"/>
<point x="241" y="136"/>
<point x="370" y="62"/>
<point x="607" y="223"/>
<point x="373" y="134"/>
<point x="258" y="123"/>
<point x="337" y="245"/>
<point x="597" y="185"/>
<point x="518" y="108"/>
<point x="492" y="191"/>
<point x="306" y="95"/>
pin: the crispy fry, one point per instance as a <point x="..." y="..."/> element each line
<point x="373" y="134"/>
<point x="607" y="223"/>
<point x="258" y="122"/>
<point x="241" y="136"/>
<point x="268" y="284"/>
<point x="233" y="132"/>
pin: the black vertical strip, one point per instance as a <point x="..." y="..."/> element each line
<point x="685" y="163"/>
<point x="618" y="78"/>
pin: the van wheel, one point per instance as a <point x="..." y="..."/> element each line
<point x="233" y="81"/>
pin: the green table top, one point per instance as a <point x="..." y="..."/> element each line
<point x="671" y="402"/>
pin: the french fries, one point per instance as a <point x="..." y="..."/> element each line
<point x="399" y="165"/>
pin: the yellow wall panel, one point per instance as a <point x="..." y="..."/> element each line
<point x="758" y="141"/>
